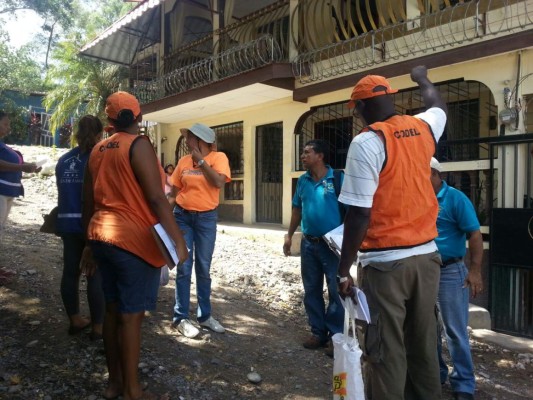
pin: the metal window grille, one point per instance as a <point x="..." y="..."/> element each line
<point x="472" y="121"/>
<point x="230" y="141"/>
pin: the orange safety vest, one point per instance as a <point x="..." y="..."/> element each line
<point x="122" y="216"/>
<point x="404" y="209"/>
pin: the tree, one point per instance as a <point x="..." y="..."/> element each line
<point x="20" y="73"/>
<point x="18" y="68"/>
<point x="82" y="84"/>
<point x="59" y="10"/>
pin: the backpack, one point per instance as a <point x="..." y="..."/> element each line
<point x="337" y="175"/>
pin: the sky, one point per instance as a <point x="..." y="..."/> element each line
<point x="22" y="28"/>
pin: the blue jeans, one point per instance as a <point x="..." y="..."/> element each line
<point x="318" y="261"/>
<point x="453" y="305"/>
<point x="200" y="232"/>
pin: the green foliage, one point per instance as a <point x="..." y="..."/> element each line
<point x="81" y="85"/>
<point x="57" y="10"/>
<point x="18" y="68"/>
<point x="18" y="117"/>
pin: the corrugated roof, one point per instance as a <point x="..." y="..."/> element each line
<point x="120" y="42"/>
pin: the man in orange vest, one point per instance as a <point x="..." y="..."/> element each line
<point x="390" y="224"/>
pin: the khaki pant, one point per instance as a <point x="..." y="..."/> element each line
<point x="400" y="344"/>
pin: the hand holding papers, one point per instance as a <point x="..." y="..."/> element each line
<point x="360" y="311"/>
<point x="334" y="239"/>
<point x="166" y="245"/>
<point x="361" y="308"/>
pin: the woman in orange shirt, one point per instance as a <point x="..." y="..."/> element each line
<point x="123" y="198"/>
<point x="196" y="184"/>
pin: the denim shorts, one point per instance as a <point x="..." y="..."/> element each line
<point x="126" y="279"/>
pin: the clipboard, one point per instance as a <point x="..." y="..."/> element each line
<point x="334" y="239"/>
<point x="166" y="245"/>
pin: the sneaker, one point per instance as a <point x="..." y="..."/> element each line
<point x="187" y="329"/>
<point x="213" y="324"/>
<point x="313" y="342"/>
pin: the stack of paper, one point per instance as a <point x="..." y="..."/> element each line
<point x="166" y="245"/>
<point x="334" y="239"/>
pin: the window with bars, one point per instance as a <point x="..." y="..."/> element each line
<point x="230" y="141"/>
<point x="472" y="120"/>
<point x="332" y="123"/>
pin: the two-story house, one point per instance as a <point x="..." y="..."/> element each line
<point x="268" y="75"/>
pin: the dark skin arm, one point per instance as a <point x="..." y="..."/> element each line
<point x="296" y="218"/>
<point x="144" y="165"/>
<point x="355" y="227"/>
<point x="171" y="197"/>
<point x="24" y="167"/>
<point x="87" y="265"/>
<point x="473" y="279"/>
<point x="430" y="94"/>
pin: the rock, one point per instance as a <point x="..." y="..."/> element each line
<point x="254" y="377"/>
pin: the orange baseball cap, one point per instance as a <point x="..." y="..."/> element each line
<point x="370" y="86"/>
<point x="121" y="101"/>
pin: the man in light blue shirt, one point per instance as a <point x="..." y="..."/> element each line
<point x="457" y="219"/>
<point x="315" y="206"/>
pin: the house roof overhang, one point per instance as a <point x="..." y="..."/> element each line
<point x="259" y="86"/>
<point x="121" y="41"/>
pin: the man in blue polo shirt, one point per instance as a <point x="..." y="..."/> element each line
<point x="456" y="220"/>
<point x="315" y="206"/>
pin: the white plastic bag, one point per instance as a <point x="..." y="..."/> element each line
<point x="164" y="278"/>
<point x="347" y="375"/>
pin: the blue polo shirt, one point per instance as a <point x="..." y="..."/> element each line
<point x="457" y="217"/>
<point x="318" y="202"/>
<point x="10" y="181"/>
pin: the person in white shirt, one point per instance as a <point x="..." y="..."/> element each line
<point x="390" y="225"/>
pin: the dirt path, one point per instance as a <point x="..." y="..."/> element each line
<point x="257" y="295"/>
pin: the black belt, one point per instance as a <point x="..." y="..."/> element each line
<point x="194" y="212"/>
<point x="451" y="261"/>
<point x="314" y="239"/>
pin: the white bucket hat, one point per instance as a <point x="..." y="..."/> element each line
<point x="201" y="131"/>
<point x="435" y="164"/>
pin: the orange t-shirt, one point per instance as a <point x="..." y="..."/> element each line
<point x="122" y="216"/>
<point x="195" y="192"/>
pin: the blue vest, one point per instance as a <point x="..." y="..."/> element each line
<point x="69" y="175"/>
<point x="10" y="185"/>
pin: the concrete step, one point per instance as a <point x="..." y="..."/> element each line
<point x="478" y="317"/>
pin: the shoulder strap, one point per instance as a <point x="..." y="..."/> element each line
<point x="337" y="174"/>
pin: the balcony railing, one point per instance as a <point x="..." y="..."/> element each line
<point x="367" y="44"/>
<point x="258" y="39"/>
<point x="235" y="61"/>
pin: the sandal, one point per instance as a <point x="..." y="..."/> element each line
<point x="74" y="330"/>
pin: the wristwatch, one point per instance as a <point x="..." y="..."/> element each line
<point x="201" y="162"/>
<point x="341" y="279"/>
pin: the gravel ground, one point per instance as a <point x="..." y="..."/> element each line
<point x="257" y="295"/>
